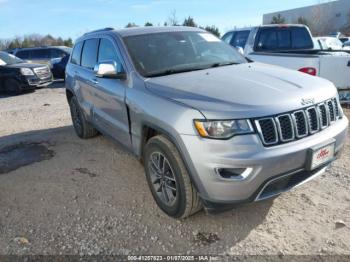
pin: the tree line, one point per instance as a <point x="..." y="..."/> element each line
<point x="34" y="40"/>
<point x="189" y="21"/>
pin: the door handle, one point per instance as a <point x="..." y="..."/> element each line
<point x="94" y="81"/>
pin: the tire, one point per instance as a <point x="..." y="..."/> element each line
<point x="12" y="86"/>
<point x="174" y="176"/>
<point x="81" y="126"/>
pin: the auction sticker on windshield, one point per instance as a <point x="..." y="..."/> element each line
<point x="322" y="155"/>
<point x="209" y="37"/>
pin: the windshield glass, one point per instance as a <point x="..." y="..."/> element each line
<point x="8" y="59"/>
<point x="174" y="52"/>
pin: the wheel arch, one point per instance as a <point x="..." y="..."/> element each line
<point x="150" y="130"/>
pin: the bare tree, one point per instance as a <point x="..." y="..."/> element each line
<point x="172" y="19"/>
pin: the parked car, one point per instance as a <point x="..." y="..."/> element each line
<point x="345" y="99"/>
<point x="336" y="35"/>
<point x="17" y="76"/>
<point x="291" y="46"/>
<point x="331" y="43"/>
<point x="344" y="39"/>
<point x="210" y="126"/>
<point x="58" y="67"/>
<point x="42" y="55"/>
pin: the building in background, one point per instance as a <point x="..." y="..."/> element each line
<point x="321" y="18"/>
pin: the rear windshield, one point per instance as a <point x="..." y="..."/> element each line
<point x="283" y="38"/>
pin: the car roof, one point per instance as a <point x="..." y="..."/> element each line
<point x="41" y="47"/>
<point x="142" y="31"/>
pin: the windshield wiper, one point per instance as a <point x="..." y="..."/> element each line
<point x="173" y="71"/>
<point x="223" y="64"/>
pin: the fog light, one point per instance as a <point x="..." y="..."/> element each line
<point x="234" y="173"/>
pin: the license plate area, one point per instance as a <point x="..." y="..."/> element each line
<point x="320" y="155"/>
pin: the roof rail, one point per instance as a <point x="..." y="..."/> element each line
<point x="100" y="30"/>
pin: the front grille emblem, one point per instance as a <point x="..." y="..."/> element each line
<point x="307" y="101"/>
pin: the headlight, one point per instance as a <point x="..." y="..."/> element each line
<point x="27" y="72"/>
<point x="223" y="129"/>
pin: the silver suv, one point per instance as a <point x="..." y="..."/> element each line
<point x="212" y="128"/>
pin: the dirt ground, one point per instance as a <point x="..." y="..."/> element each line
<point x="91" y="197"/>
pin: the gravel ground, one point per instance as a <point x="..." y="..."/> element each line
<point x="91" y="197"/>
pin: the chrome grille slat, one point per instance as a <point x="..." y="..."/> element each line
<point x="313" y="120"/>
<point x="285" y="128"/>
<point x="300" y="124"/>
<point x="42" y="72"/>
<point x="269" y="138"/>
<point x="331" y="109"/>
<point x="295" y="125"/>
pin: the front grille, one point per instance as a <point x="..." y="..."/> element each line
<point x="42" y="72"/>
<point x="298" y="124"/>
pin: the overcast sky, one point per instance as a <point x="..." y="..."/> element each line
<point x="71" y="18"/>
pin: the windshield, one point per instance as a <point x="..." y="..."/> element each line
<point x="8" y="59"/>
<point x="174" y="52"/>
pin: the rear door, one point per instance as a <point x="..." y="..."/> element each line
<point x="85" y="76"/>
<point x="110" y="111"/>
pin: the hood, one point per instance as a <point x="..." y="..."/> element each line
<point x="242" y="91"/>
<point x="26" y="65"/>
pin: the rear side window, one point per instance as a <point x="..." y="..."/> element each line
<point x="240" y="38"/>
<point x="283" y="38"/>
<point x="23" y="54"/>
<point x="77" y="53"/>
<point x="89" y="55"/>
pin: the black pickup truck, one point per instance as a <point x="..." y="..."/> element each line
<point x="17" y="76"/>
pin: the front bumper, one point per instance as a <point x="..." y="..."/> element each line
<point x="34" y="81"/>
<point x="265" y="163"/>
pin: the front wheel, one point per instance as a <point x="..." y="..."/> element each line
<point x="169" y="180"/>
<point x="12" y="86"/>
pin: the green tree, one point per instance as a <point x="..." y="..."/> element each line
<point x="68" y="42"/>
<point x="189" y="22"/>
<point x="148" y="24"/>
<point x="131" y="25"/>
<point x="278" y="19"/>
<point x="213" y="29"/>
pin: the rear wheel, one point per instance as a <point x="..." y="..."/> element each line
<point x="169" y="180"/>
<point x="82" y="127"/>
<point x="13" y="86"/>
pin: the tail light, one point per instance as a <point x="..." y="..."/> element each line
<point x="308" y="70"/>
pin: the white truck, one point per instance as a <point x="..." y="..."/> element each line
<point x="291" y="46"/>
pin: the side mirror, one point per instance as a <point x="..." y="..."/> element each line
<point x="108" y="69"/>
<point x="240" y="50"/>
